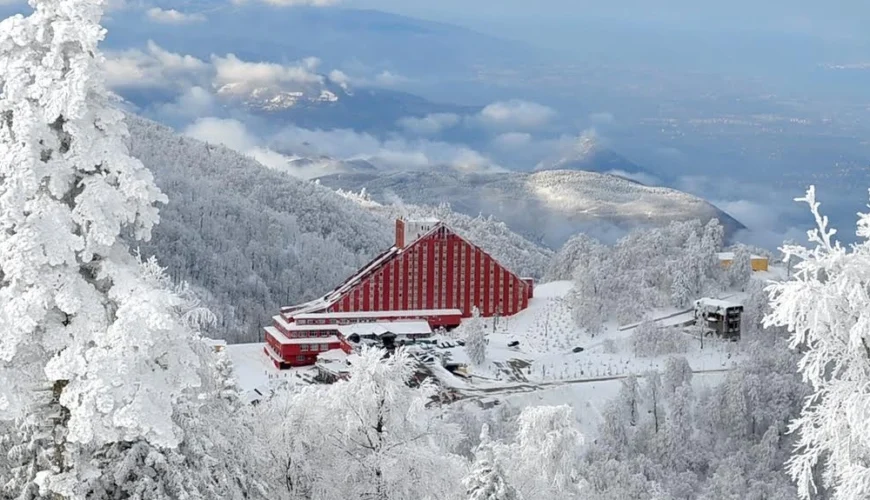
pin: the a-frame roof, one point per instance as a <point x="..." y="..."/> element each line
<point x="372" y="267"/>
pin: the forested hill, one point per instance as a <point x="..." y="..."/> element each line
<point x="252" y="239"/>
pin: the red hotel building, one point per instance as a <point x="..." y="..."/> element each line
<point x="430" y="273"/>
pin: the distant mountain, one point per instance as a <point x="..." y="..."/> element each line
<point x="309" y="168"/>
<point x="350" y="39"/>
<point x="332" y="106"/>
<point x="588" y="154"/>
<point x="547" y="207"/>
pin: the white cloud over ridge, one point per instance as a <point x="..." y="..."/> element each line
<point x="291" y="3"/>
<point x="512" y="140"/>
<point x="153" y="67"/>
<point x="230" y="70"/>
<point x="172" y="16"/>
<point x="342" y="144"/>
<point x="517" y="113"/>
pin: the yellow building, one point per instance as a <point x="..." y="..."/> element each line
<point x="757" y="262"/>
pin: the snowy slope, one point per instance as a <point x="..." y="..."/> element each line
<point x="547" y="335"/>
<point x="548" y="369"/>
<point x="547" y="206"/>
<point x="254" y="239"/>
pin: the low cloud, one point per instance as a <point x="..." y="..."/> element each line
<point x="189" y="105"/>
<point x="285" y="150"/>
<point x="156" y="67"/>
<point x="512" y="140"/>
<point x="232" y="72"/>
<point x="153" y="67"/>
<point x="389" y="79"/>
<point x="430" y="124"/>
<point x="770" y="216"/>
<point x="517" y="113"/>
<point x="390" y="153"/>
<point x="290" y="3"/>
<point x="172" y="16"/>
<point x="383" y="79"/>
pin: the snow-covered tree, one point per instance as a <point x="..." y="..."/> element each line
<point x="651" y="340"/>
<point x="369" y="437"/>
<point x="590" y="295"/>
<point x="475" y="338"/>
<point x="826" y="308"/>
<point x="728" y="441"/>
<point x="572" y="253"/>
<point x="487" y="481"/>
<point x="652" y="391"/>
<point x="740" y="270"/>
<point x="543" y="460"/>
<point x="683" y="290"/>
<point x="96" y="358"/>
<point x="677" y="373"/>
<point x="646" y="269"/>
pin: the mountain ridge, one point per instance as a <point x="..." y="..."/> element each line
<point x="548" y="206"/>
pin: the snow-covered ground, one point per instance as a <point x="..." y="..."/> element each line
<point x="255" y="371"/>
<point x="547" y="337"/>
<point x="543" y="363"/>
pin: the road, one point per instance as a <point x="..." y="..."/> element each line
<point x="484" y="392"/>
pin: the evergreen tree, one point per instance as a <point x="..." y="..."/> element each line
<point x="475" y="338"/>
<point x="487" y="480"/>
<point x="97" y="361"/>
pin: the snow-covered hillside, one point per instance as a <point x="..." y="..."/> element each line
<point x="547" y="206"/>
<point x="252" y="239"/>
<point x="544" y="358"/>
<point x="548" y="335"/>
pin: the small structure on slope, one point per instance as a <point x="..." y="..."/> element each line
<point x="721" y="316"/>
<point x="430" y="274"/>
<point x="757" y="262"/>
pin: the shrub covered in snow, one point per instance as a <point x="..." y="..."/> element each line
<point x="651" y="340"/>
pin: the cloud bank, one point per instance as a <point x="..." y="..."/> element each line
<point x="284" y="150"/>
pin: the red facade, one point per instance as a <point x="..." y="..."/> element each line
<point x="440" y="270"/>
<point x="431" y="273"/>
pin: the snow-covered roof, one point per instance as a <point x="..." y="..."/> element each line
<point x="378" y="314"/>
<point x="284" y="340"/>
<point x="332" y="355"/>
<point x="717" y="303"/>
<point x="730" y="256"/>
<point x="310" y="328"/>
<point x="282" y="322"/>
<point x="378" y="329"/>
<point x="332" y="297"/>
